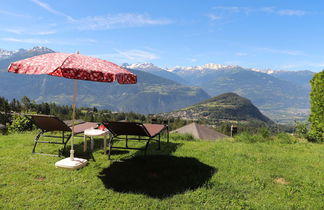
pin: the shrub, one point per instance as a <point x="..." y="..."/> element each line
<point x="179" y="136"/>
<point x="285" y="138"/>
<point x="301" y="130"/>
<point x="316" y="134"/>
<point x="250" y="138"/>
<point x="19" y="124"/>
<point x="264" y="132"/>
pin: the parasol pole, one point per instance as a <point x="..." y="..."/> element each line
<point x="73" y="117"/>
<point x="72" y="162"/>
<point x="73" y="120"/>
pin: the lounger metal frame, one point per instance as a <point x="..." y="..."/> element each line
<point x="48" y="131"/>
<point x="143" y="135"/>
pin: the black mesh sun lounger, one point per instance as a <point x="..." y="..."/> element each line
<point x="134" y="131"/>
<point x="49" y="125"/>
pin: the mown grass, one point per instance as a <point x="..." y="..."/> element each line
<point x="183" y="175"/>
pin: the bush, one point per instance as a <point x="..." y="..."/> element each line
<point x="179" y="136"/>
<point x="316" y="135"/>
<point x="263" y="136"/>
<point x="285" y="138"/>
<point x="19" y="124"/>
<point x="264" y="132"/>
<point x="301" y="130"/>
<point x="250" y="138"/>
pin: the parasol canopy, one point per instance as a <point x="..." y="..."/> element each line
<point x="73" y="66"/>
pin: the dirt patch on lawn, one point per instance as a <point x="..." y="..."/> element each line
<point x="280" y="180"/>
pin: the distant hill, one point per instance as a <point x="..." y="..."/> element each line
<point x="152" y="94"/>
<point x="225" y="107"/>
<point x="301" y="78"/>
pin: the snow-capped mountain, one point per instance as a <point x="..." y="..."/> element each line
<point x="35" y="50"/>
<point x="267" y="71"/>
<point x="161" y="72"/>
<point x="6" y="56"/>
<point x="143" y="66"/>
<point x="5" y="53"/>
<point x="40" y="49"/>
<point x="206" y="67"/>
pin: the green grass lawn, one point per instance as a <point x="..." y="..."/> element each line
<point x="183" y="175"/>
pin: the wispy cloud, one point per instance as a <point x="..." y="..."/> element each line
<point x="12" y="14"/>
<point x="137" y="54"/>
<point x="241" y="54"/>
<point x="118" y="21"/>
<point x="281" y="51"/>
<point x="221" y="11"/>
<point x="193" y="60"/>
<point x="29" y="32"/>
<point x="302" y="65"/>
<point x="105" y="22"/>
<point x="214" y="17"/>
<point x="289" y="12"/>
<point x="124" y="56"/>
<point x="30" y="41"/>
<point x="51" y="10"/>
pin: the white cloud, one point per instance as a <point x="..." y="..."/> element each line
<point x="270" y="10"/>
<point x="31" y="41"/>
<point x="8" y="13"/>
<point x="232" y="9"/>
<point x="29" y="32"/>
<point x="241" y="54"/>
<point x="51" y="10"/>
<point x="281" y="51"/>
<point x="214" y="17"/>
<point x="302" y="65"/>
<point x="124" y="56"/>
<point x="106" y="21"/>
<point x="117" y="21"/>
<point x="137" y="54"/>
<point x="289" y="12"/>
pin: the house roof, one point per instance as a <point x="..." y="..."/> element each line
<point x="200" y="132"/>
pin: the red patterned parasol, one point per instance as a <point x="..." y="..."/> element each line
<point x="73" y="66"/>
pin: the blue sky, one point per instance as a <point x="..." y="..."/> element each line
<point x="276" y="34"/>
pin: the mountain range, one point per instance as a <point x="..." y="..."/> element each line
<point x="281" y="95"/>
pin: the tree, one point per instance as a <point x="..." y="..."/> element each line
<point x="4" y="111"/>
<point x="317" y="108"/>
<point x="26" y="103"/>
<point x="15" y="105"/>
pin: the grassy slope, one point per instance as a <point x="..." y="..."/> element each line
<point x="199" y="175"/>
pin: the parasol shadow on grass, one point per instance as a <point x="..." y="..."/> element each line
<point x="157" y="176"/>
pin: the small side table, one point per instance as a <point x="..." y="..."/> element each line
<point x="95" y="132"/>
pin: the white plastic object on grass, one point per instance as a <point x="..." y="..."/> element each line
<point x="74" y="164"/>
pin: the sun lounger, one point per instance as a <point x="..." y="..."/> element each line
<point x="50" y="125"/>
<point x="134" y="131"/>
